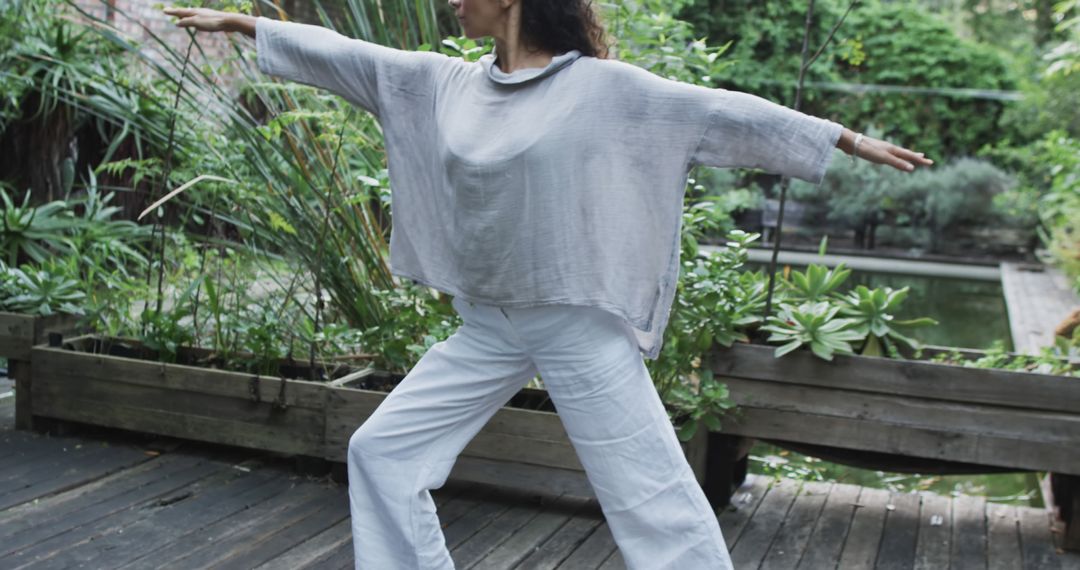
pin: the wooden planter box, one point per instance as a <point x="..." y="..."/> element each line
<point x="525" y="448"/>
<point x="188" y="402"/>
<point x="18" y="333"/>
<point x="994" y="418"/>
<point x="519" y="447"/>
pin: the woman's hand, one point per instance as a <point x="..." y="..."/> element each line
<point x="207" y="20"/>
<point x="882" y="152"/>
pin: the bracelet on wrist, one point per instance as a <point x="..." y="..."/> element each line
<point x="855" y="147"/>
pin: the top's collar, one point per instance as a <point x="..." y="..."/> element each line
<point x="529" y="73"/>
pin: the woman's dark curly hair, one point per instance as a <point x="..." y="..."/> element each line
<point x="559" y="26"/>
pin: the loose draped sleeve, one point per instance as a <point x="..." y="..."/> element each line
<point x="364" y="73"/>
<point x="747" y="131"/>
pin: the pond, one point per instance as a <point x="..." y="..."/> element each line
<point x="970" y="313"/>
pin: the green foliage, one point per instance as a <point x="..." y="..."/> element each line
<point x="871" y="313"/>
<point x="1045" y="153"/>
<point x="1051" y="103"/>
<point x="166" y="333"/>
<point x="817" y="284"/>
<point x="41" y="53"/>
<point x="43" y="290"/>
<point x="813" y="325"/>
<point x="420" y="321"/>
<point x="938" y="204"/>
<point x="766" y="39"/>
<point x="650" y="36"/>
<point x="1064" y="59"/>
<point x="297" y="152"/>
<point x="809" y="305"/>
<point x="83" y="228"/>
<point x="881" y="43"/>
<point x="714" y="301"/>
<point x="103" y="242"/>
<point x="1049" y="360"/>
<point x="32" y="233"/>
<point x="241" y="6"/>
<point x="1048" y="171"/>
<point x="466" y="48"/>
<point x="906" y="46"/>
<point x="705" y="406"/>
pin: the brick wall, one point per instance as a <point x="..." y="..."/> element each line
<point x="137" y="19"/>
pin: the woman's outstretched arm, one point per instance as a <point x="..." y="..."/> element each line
<point x="364" y="73"/>
<point x="745" y="130"/>
<point x="207" y="20"/>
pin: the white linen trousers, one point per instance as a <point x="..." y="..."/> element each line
<point x="594" y="373"/>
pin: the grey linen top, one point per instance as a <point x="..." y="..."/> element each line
<point x="562" y="184"/>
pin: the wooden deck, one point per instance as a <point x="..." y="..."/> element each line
<point x="1038" y="298"/>
<point x="114" y="500"/>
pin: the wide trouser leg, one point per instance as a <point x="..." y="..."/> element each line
<point x="410" y="443"/>
<point x="596" y="377"/>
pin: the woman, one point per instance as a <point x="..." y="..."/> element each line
<point x="542" y="187"/>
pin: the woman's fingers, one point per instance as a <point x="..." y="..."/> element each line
<point x="181" y="12"/>
<point x="912" y="156"/>
<point x="899" y="163"/>
<point x="898" y="157"/>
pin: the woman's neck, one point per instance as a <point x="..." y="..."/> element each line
<point x="511" y="52"/>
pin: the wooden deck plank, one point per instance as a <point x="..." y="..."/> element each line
<point x="1036" y="543"/>
<point x="753" y="544"/>
<point x="49" y="524"/>
<point x="57" y="508"/>
<point x="188" y="506"/>
<point x="1003" y="536"/>
<point x="341" y="558"/>
<point x="185" y="524"/>
<point x="898" y="539"/>
<point x="275" y="536"/>
<point x="447" y="493"/>
<point x="310" y="551"/>
<point x="236" y="516"/>
<point x="26" y="470"/>
<point x="934" y="542"/>
<point x="122" y="544"/>
<point x="744" y="502"/>
<point x="17" y="448"/>
<point x="74" y="473"/>
<point x="818" y="526"/>
<point x="969" y="533"/>
<point x="593" y="551"/>
<point x="790" y="542"/>
<point x="614" y="562"/>
<point x="13" y="439"/>
<point x="864" y="538"/>
<point x="477" y="546"/>
<point x="1036" y="301"/>
<point x="566" y="539"/>
<point x="530" y="537"/>
<point x="456" y="508"/>
<point x="831" y="530"/>
<point x="473" y="521"/>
